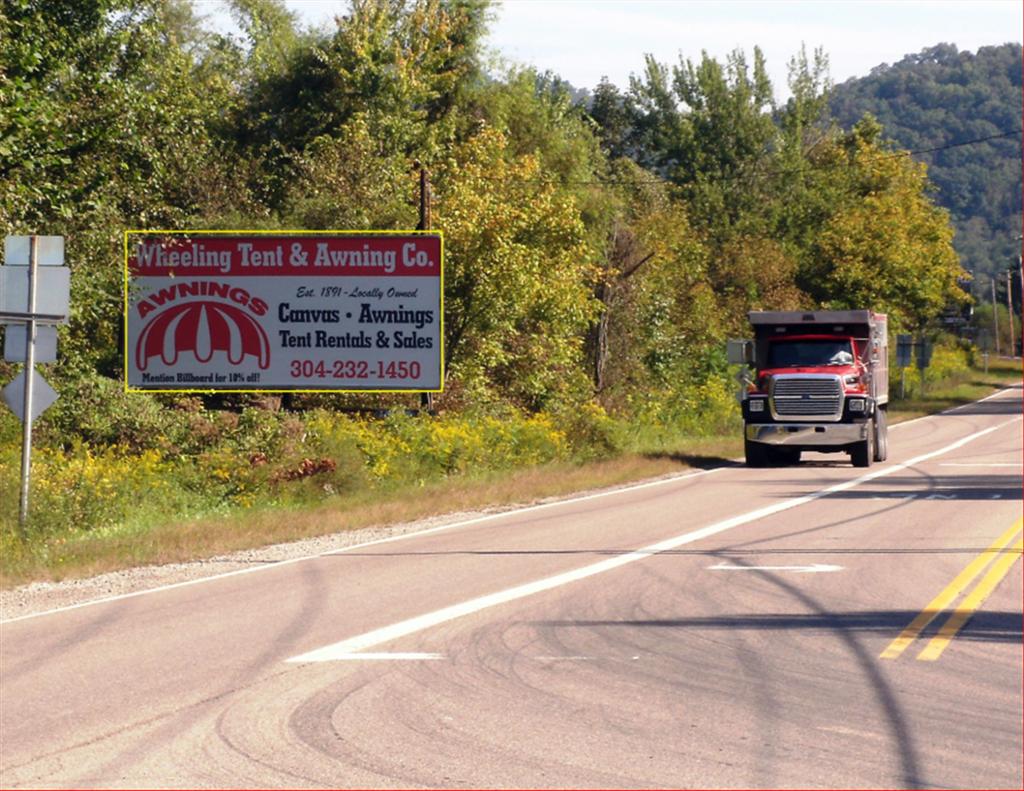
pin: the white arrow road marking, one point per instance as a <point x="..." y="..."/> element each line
<point x="813" y="568"/>
<point x="419" y="623"/>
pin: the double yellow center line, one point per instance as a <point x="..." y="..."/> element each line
<point x="999" y="558"/>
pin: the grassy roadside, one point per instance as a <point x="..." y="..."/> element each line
<point x="955" y="391"/>
<point x="649" y="455"/>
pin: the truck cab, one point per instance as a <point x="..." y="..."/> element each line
<point x="820" y="382"/>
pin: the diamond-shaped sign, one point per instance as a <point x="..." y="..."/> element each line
<point x="42" y="395"/>
<point x="46" y="343"/>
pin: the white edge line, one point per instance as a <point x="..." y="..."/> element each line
<point x="419" y="623"/>
<point x="489" y="517"/>
<point x="986" y="398"/>
<point x="952" y="409"/>
<point x="977" y="464"/>
<point x="278" y="564"/>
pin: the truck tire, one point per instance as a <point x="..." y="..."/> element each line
<point x="881" y="436"/>
<point x="863" y="452"/>
<point x="756" y="453"/>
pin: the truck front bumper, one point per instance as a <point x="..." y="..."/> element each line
<point x="807" y="435"/>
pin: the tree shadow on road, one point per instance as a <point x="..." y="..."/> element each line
<point x="695" y="460"/>
<point x="984" y="626"/>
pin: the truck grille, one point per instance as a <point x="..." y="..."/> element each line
<point x="806" y="397"/>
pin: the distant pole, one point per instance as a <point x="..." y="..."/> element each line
<point x="426" y="399"/>
<point x="1009" y="310"/>
<point x="1020" y="272"/>
<point x="30" y="369"/>
<point x="995" y="314"/>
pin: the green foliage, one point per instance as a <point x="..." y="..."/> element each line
<point x="950" y="364"/>
<point x="596" y="258"/>
<point x="402" y="64"/>
<point x="517" y="275"/>
<point x="886" y="245"/>
<point x="699" y="410"/>
<point x="937" y="99"/>
<point x="987" y="325"/>
<point x="343" y="182"/>
<point x="217" y="462"/>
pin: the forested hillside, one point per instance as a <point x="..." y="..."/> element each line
<point x="596" y="260"/>
<point x="936" y="101"/>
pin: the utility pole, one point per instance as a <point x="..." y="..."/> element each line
<point x="426" y="399"/>
<point x="1020" y="272"/>
<point x="424" y="224"/>
<point x="1009" y="310"/>
<point x="995" y="314"/>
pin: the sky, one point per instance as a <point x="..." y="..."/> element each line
<point x="585" y="40"/>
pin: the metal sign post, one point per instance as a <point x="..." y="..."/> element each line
<point x="923" y="350"/>
<point x="36" y="299"/>
<point x="904" y="351"/>
<point x="30" y="368"/>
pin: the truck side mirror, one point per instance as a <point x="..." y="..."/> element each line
<point x="740" y="352"/>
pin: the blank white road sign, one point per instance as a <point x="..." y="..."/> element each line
<point x="46" y="343"/>
<point x="49" y="250"/>
<point x="53" y="290"/>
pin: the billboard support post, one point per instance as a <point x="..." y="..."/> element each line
<point x="426" y="399"/>
<point x="1009" y="313"/>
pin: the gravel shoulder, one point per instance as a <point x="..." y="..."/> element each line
<point x="38" y="597"/>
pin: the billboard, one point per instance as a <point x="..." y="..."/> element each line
<point x="287" y="310"/>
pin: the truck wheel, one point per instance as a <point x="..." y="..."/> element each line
<point x="881" y="436"/>
<point x="863" y="452"/>
<point x="756" y="453"/>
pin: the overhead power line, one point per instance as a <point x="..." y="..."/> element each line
<point x="964" y="143"/>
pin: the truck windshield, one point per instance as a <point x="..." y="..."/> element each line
<point x="791" y="354"/>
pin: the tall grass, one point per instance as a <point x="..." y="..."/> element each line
<point x="156" y="481"/>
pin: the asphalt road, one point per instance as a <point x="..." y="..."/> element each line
<point x="731" y="628"/>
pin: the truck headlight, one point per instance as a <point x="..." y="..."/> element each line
<point x="856" y="404"/>
<point x="756" y="405"/>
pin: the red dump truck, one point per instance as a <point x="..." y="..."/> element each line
<point x="820" y="382"/>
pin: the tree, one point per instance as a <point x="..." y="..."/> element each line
<point x="518" y="276"/>
<point x="615" y="117"/>
<point x="886" y="246"/>
<point x="401" y="64"/>
<point x="107" y="123"/>
<point x="936" y="101"/>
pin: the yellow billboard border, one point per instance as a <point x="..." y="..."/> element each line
<point x="316" y="390"/>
